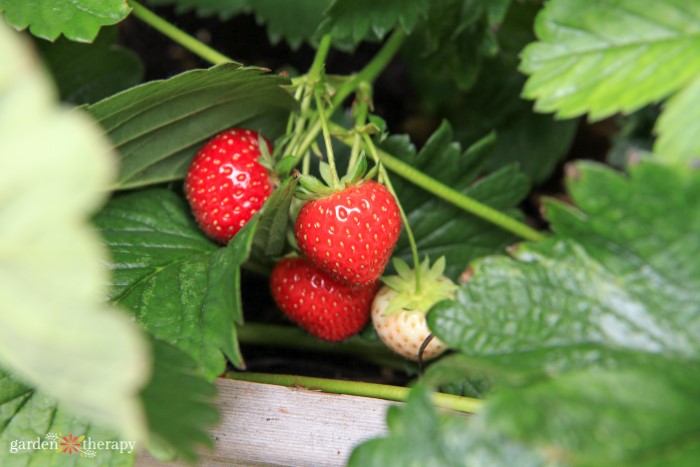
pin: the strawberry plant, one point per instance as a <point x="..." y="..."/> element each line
<point x="503" y="192"/>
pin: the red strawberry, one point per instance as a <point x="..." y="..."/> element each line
<point x="352" y="233"/>
<point x="226" y="185"/>
<point x="324" y="307"/>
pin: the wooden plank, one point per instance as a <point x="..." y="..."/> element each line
<point x="267" y="425"/>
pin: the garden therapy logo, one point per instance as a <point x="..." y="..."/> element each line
<point x="70" y="444"/>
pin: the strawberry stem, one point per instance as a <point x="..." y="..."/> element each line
<point x="327" y="139"/>
<point x="358" y="388"/>
<point x="409" y="232"/>
<point x="178" y="35"/>
<point x="369" y="73"/>
<point x="446" y="193"/>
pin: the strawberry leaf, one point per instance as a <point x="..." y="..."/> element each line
<point x="679" y="128"/>
<point x="159" y="126"/>
<point x="78" y="20"/>
<point x="86" y="73"/>
<point x="180" y="286"/>
<point x="440" y="228"/>
<point x="52" y="276"/>
<point x="421" y="436"/>
<point x="175" y="383"/>
<point x="628" y="283"/>
<point x="601" y="57"/>
<point x="27" y="415"/>
<point x="352" y="21"/>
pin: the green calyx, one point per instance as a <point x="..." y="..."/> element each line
<point x="434" y="287"/>
<point x="311" y="187"/>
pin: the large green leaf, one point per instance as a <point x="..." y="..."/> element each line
<point x="159" y="126"/>
<point x="601" y="56"/>
<point x="621" y="417"/>
<point x="455" y="38"/>
<point x="535" y="141"/>
<point x="629" y="282"/>
<point x="420" y="436"/>
<point x="352" y="21"/>
<point x="55" y="334"/>
<point x="178" y="402"/>
<point x="679" y="128"/>
<point x="180" y="286"/>
<point x="27" y="416"/>
<point x="440" y="228"/>
<point x="86" y="73"/>
<point x="78" y="20"/>
<point x="615" y="417"/>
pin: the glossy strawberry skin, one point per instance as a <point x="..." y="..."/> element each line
<point x="329" y="310"/>
<point x="226" y="185"/>
<point x="350" y="234"/>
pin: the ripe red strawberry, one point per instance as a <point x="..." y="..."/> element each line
<point x="350" y="234"/>
<point x="226" y="185"/>
<point x="324" y="307"/>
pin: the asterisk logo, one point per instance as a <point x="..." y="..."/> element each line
<point x="71" y="444"/>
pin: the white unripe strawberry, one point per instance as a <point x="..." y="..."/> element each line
<point x="398" y="311"/>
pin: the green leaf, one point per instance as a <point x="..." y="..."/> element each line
<point x="441" y="229"/>
<point x="175" y="384"/>
<point x="159" y="126"/>
<point x="537" y="142"/>
<point x="86" y="73"/>
<point x="419" y="436"/>
<point x="78" y="20"/>
<point x="271" y="235"/>
<point x="679" y="128"/>
<point x="294" y="22"/>
<point x="27" y="416"/>
<point x="601" y="57"/>
<point x="455" y="38"/>
<point x="54" y="169"/>
<point x="180" y="286"/>
<point x="352" y="21"/>
<point x="629" y="283"/>
<point x="640" y="417"/>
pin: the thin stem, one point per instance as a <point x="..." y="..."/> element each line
<point x="458" y="199"/>
<point x="404" y="218"/>
<point x="190" y="43"/>
<point x="373" y="68"/>
<point x="320" y="58"/>
<point x="356" y="388"/>
<point x="448" y="194"/>
<point x="309" y="85"/>
<point x="327" y="139"/>
<point x="368" y="73"/>
<point x="290" y="337"/>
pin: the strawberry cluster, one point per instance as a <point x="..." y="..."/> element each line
<point x="347" y="239"/>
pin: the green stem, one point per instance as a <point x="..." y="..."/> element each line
<point x="190" y="43"/>
<point x="448" y="194"/>
<point x="309" y="85"/>
<point x="291" y="337"/>
<point x="404" y="218"/>
<point x="327" y="139"/>
<point x="356" y="388"/>
<point x="368" y="73"/>
<point x="458" y="199"/>
<point x="373" y="68"/>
